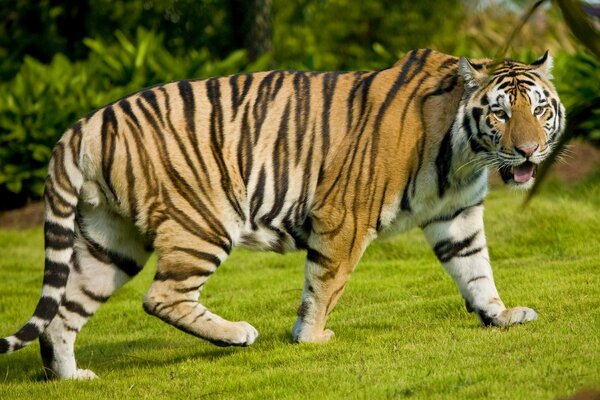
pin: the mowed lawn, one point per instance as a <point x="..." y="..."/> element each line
<point x="402" y="330"/>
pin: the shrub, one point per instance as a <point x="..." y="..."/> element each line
<point x="41" y="101"/>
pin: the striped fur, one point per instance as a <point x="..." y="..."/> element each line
<point x="322" y="161"/>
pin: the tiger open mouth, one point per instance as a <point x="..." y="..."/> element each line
<point x="519" y="174"/>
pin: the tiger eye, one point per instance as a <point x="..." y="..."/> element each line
<point x="539" y="110"/>
<point x="501" y="115"/>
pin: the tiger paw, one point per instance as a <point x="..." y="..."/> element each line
<point x="238" y="333"/>
<point x="510" y="316"/>
<point x="302" y="333"/>
<point x="247" y="334"/>
<point x="84" y="375"/>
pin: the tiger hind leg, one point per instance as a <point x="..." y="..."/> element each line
<point x="109" y="251"/>
<point x="185" y="263"/>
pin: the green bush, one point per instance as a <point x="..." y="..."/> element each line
<point x="41" y="101"/>
<point x="578" y="81"/>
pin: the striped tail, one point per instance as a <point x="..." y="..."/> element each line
<point x="63" y="185"/>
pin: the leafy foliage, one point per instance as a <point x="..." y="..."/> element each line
<point x="43" y="99"/>
<point x="346" y="34"/>
<point x="107" y="55"/>
<point x="44" y="28"/>
<point x="579" y="84"/>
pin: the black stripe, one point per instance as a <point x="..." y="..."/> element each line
<point x="28" y="332"/>
<point x="76" y="308"/>
<point x="181" y="275"/>
<point x="181" y="185"/>
<point x="187" y="96"/>
<point x="450" y="217"/>
<point x="211" y="258"/>
<point x="107" y="256"/>
<point x="135" y="129"/>
<point x="222" y="241"/>
<point x="188" y="289"/>
<point x="302" y="110"/>
<point x="163" y="306"/>
<point x="131" y="179"/>
<point x="470" y="252"/>
<point x="58" y="237"/>
<point x="443" y="163"/>
<point x="244" y="150"/>
<point x="94" y="296"/>
<point x="176" y="134"/>
<point x="381" y="204"/>
<point x="405" y="202"/>
<point x="328" y="90"/>
<point x="557" y="108"/>
<point x="55" y="274"/>
<point x="236" y="98"/>
<point x="4" y="346"/>
<point x="47" y="353"/>
<point x="233" y="86"/>
<point x="477" y="278"/>
<point x="540" y="60"/>
<point x="447" y="249"/>
<point x="75" y="142"/>
<point x="150" y="98"/>
<point x="485" y="319"/>
<point x="61" y="177"/>
<point x="449" y="62"/>
<point x="262" y="98"/>
<point x="299" y="233"/>
<point x="46" y="308"/>
<point x="125" y="264"/>
<point x="189" y="106"/>
<point x="257" y="196"/>
<point x="217" y="140"/>
<point x="200" y="315"/>
<point x="59" y="206"/>
<point x="278" y="84"/>
<point x="280" y="167"/>
<point x="317" y="257"/>
<point x="402" y="79"/>
<point x="108" y="135"/>
<point x="504" y="85"/>
<point x="477" y="113"/>
<point x="473" y="142"/>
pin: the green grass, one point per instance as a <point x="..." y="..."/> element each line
<point x="401" y="328"/>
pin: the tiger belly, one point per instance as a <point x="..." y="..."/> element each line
<point x="268" y="238"/>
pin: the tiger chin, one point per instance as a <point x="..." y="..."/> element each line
<point x="320" y="161"/>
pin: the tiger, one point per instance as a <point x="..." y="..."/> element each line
<point x="324" y="162"/>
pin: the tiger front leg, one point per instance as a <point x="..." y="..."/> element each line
<point x="327" y="269"/>
<point x="460" y="245"/>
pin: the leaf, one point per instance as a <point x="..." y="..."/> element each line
<point x="580" y="25"/>
<point x="14" y="186"/>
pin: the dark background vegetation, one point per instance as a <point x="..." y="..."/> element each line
<point x="60" y="59"/>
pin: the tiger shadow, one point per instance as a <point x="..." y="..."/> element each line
<point x="107" y="358"/>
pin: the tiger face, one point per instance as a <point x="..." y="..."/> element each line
<point x="513" y="116"/>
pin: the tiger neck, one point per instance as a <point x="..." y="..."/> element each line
<point x="466" y="165"/>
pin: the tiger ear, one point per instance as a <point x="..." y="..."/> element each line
<point x="472" y="76"/>
<point x="544" y="65"/>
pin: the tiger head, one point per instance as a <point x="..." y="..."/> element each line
<point x="512" y="116"/>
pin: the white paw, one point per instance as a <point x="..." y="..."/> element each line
<point x="238" y="333"/>
<point x="515" y="315"/>
<point x="305" y="334"/>
<point x="83" y="375"/>
<point x="248" y="334"/>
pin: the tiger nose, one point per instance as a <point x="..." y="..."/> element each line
<point x="526" y="150"/>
